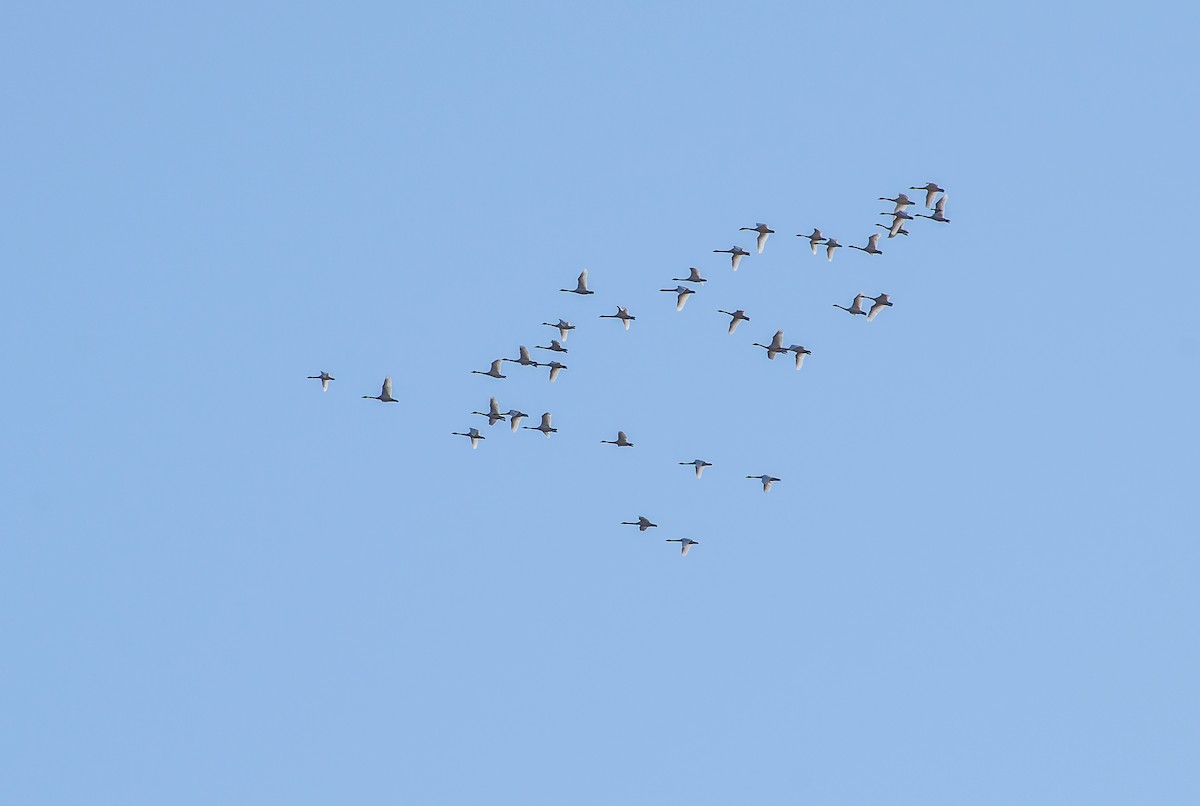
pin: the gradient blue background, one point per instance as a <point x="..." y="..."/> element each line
<point x="976" y="582"/>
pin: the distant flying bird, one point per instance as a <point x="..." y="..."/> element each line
<point x="815" y="239"/>
<point x="386" y="395"/>
<point x="683" y="293"/>
<point x="544" y="427"/>
<point x="855" y="307"/>
<point x="693" y="277"/>
<point x="522" y="358"/>
<point x="763" y="232"/>
<point x="881" y="302"/>
<point x="776" y="345"/>
<point x="621" y="441"/>
<point x="871" y="248"/>
<point x="699" y="464"/>
<point x="324" y="378"/>
<point x="642" y="523"/>
<point x="766" y="480"/>
<point x="898" y="219"/>
<point x="901" y="231"/>
<point x="736" y="253"/>
<point x="830" y="245"/>
<point x="902" y="201"/>
<point x="515" y="417"/>
<point x="494" y="372"/>
<point x="493" y="413"/>
<point x="931" y="189"/>
<point x="563" y="326"/>
<point x="939" y="212"/>
<point x="738" y="316"/>
<point x="555" y="345"/>
<point x="581" y="285"/>
<point x="555" y="368"/>
<point x="473" y="434"/>
<point x="622" y="314"/>
<point x="685" y="544"/>
<point x="800" y="352"/>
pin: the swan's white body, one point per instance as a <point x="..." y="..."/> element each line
<point x="766" y="480"/>
<point x="494" y="372"/>
<point x="738" y="316"/>
<point x="324" y="378"/>
<point x="544" y="427"/>
<point x="682" y="292"/>
<point x="693" y="277"/>
<point x="800" y="352"/>
<point x="881" y="302"/>
<point x="580" y="285"/>
<point x="385" y="395"/>
<point x="622" y="314"/>
<point x="493" y="413"/>
<point x="736" y="254"/>
<point x="563" y="327"/>
<point x="684" y="543"/>
<point x="621" y="441"/>
<point x="763" y="232"/>
<point x="699" y="464"/>
<point x="872" y="247"/>
<point x="855" y="307"/>
<point x="776" y="345"/>
<point x="473" y="434"/>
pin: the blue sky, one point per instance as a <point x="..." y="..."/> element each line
<point x="975" y="583"/>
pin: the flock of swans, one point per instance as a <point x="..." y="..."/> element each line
<point x="816" y="238"/>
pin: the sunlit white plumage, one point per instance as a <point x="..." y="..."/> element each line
<point x="815" y="240"/>
<point x="515" y="417"/>
<point x="736" y="253"/>
<point x="888" y="227"/>
<point x="766" y="480"/>
<point x="931" y="189"/>
<point x="902" y="201"/>
<point x="830" y="245"/>
<point x="738" y="316"/>
<point x="493" y="413"/>
<point x="642" y="523"/>
<point x="324" y="378"/>
<point x="693" y="277"/>
<point x="544" y="427"/>
<point x="621" y="441"/>
<point x="555" y="368"/>
<point x="386" y="394"/>
<point x="800" y="352"/>
<point x="494" y="372"/>
<point x="555" y="345"/>
<point x="563" y="327"/>
<point x="683" y="293"/>
<point x="871" y="248"/>
<point x="776" y="345"/>
<point x="881" y="302"/>
<point x="699" y="464"/>
<point x="523" y="358"/>
<point x="763" y="232"/>
<point x="855" y="307"/>
<point x="939" y="212"/>
<point x="898" y="219"/>
<point x="580" y="286"/>
<point x="622" y="314"/>
<point x="685" y="544"/>
<point x="473" y="434"/>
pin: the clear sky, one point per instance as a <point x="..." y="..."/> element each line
<point x="975" y="583"/>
